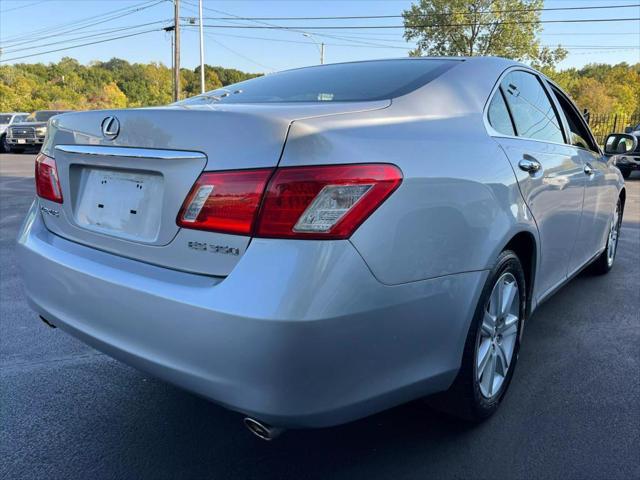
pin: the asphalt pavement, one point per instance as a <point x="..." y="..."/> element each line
<point x="572" y="412"/>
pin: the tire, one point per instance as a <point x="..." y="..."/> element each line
<point x="626" y="173"/>
<point x="469" y="397"/>
<point x="4" y="146"/>
<point x="604" y="263"/>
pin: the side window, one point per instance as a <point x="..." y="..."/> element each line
<point x="579" y="133"/>
<point x="498" y="113"/>
<point x="532" y="111"/>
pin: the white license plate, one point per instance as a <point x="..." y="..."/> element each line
<point x="22" y="140"/>
<point x="122" y="204"/>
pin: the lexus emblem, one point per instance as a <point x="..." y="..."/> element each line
<point x="110" y="128"/>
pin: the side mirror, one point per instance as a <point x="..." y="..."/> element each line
<point x="620" y="143"/>
<point x="628" y="129"/>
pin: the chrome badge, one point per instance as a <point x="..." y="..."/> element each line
<point x="110" y="128"/>
<point x="49" y="211"/>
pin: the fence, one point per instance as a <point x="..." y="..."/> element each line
<point x="604" y="124"/>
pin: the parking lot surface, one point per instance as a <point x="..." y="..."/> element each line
<point x="573" y="409"/>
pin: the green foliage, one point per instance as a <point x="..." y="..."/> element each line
<point x="601" y="88"/>
<point x="113" y="84"/>
<point x="479" y="27"/>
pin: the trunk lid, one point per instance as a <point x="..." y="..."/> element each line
<point x="124" y="181"/>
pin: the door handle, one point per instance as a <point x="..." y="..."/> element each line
<point x="588" y="169"/>
<point x="530" y="165"/>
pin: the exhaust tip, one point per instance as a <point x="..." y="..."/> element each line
<point x="262" y="430"/>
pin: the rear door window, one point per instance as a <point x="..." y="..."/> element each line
<point x="533" y="113"/>
<point x="579" y="135"/>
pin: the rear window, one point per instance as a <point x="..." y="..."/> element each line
<point x="345" y="82"/>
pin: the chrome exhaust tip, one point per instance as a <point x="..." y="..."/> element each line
<point x="262" y="430"/>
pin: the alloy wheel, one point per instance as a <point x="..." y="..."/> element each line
<point x="496" y="340"/>
<point x="614" y="233"/>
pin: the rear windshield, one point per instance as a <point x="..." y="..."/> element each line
<point x="345" y="82"/>
<point x="43" y="116"/>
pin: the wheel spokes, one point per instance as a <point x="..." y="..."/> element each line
<point x="497" y="335"/>
<point x="484" y="356"/>
<point x="488" y="324"/>
<point x="509" y="290"/>
<point x="488" y="377"/>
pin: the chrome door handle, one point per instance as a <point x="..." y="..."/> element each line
<point x="588" y="169"/>
<point x="530" y="165"/>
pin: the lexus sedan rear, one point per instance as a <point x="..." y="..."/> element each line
<point x="317" y="245"/>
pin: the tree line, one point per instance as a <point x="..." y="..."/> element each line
<point x="113" y="84"/>
<point x="600" y="88"/>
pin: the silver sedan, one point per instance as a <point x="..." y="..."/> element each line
<point x="320" y="244"/>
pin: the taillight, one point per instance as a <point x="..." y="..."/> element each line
<point x="324" y="202"/>
<point x="47" y="183"/>
<point x="321" y="202"/>
<point x="225" y="201"/>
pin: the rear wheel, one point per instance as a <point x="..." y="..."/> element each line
<point x="492" y="344"/>
<point x="604" y="263"/>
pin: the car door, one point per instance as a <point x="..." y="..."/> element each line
<point x="549" y="172"/>
<point x="600" y="183"/>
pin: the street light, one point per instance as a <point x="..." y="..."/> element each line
<point x="320" y="46"/>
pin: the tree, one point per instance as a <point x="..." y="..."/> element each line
<point x="505" y="28"/>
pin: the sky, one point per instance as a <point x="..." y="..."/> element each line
<point x="273" y="49"/>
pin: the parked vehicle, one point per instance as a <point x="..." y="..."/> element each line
<point x="630" y="161"/>
<point x="7" y="119"/>
<point x="320" y="244"/>
<point x="30" y="132"/>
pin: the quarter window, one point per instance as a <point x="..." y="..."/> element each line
<point x="532" y="111"/>
<point x="499" y="117"/>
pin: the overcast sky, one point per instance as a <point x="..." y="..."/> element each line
<point x="272" y="50"/>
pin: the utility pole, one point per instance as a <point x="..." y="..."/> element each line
<point x="202" y="86"/>
<point x="176" y="50"/>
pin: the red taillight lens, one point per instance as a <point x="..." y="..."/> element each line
<point x="324" y="202"/>
<point x="225" y="201"/>
<point x="47" y="183"/>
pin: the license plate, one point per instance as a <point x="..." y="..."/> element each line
<point x="122" y="204"/>
<point x="22" y="140"/>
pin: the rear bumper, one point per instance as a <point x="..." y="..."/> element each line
<point x="299" y="335"/>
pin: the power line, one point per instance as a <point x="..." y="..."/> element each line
<point x="406" y="47"/>
<point x="218" y="42"/>
<point x="21" y="7"/>
<point x="366" y="27"/>
<point x="482" y="12"/>
<point x="93" y="35"/>
<point x="66" y="28"/>
<point x="82" y="45"/>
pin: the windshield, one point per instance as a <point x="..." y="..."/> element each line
<point x="5" y="119"/>
<point x="43" y="116"/>
<point x="346" y="82"/>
